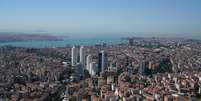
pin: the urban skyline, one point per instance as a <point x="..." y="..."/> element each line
<point x="100" y="50"/>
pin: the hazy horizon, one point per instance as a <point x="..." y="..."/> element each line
<point x="171" y="18"/>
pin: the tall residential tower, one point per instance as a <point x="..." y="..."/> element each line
<point x="102" y="61"/>
<point x="82" y="55"/>
<point x="73" y="56"/>
<point x="89" y="60"/>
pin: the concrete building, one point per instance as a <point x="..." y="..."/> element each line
<point x="80" y="70"/>
<point x="102" y="61"/>
<point x="142" y="68"/>
<point x="73" y="56"/>
<point x="93" y="69"/>
<point x="89" y="60"/>
<point x="82" y="55"/>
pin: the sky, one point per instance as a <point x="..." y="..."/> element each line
<point x="81" y="17"/>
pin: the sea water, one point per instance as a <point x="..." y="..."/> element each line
<point x="64" y="42"/>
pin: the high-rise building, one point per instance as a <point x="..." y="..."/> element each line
<point x="102" y="61"/>
<point x="92" y="69"/>
<point x="89" y="60"/>
<point x="130" y="70"/>
<point x="142" y="68"/>
<point x="131" y="41"/>
<point x="150" y="65"/>
<point x="74" y="56"/>
<point x="82" y="55"/>
<point x="80" y="70"/>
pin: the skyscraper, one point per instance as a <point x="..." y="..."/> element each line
<point x="92" y="69"/>
<point x="89" y="60"/>
<point x="142" y="68"/>
<point x="80" y="70"/>
<point x="131" y="41"/>
<point x="102" y="61"/>
<point x="82" y="55"/>
<point x="74" y="56"/>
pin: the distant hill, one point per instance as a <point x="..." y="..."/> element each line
<point x="8" y="37"/>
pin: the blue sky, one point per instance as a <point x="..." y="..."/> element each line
<point x="148" y="17"/>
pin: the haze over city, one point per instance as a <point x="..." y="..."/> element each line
<point x="100" y="50"/>
<point x="171" y="18"/>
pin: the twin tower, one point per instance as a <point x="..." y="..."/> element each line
<point x="86" y="60"/>
<point x="74" y="56"/>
